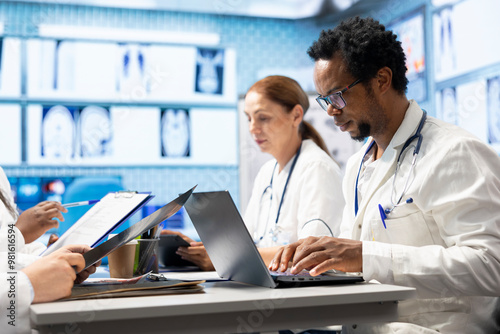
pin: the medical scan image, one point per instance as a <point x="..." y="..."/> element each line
<point x="449" y="105"/>
<point x="131" y="72"/>
<point x="209" y="71"/>
<point x="175" y="133"/>
<point x="446" y="62"/>
<point x="95" y="132"/>
<point x="58" y="132"/>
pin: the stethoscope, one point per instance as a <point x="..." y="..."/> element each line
<point x="396" y="201"/>
<point x="270" y="188"/>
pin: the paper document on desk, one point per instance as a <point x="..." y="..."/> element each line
<point x="101" y="219"/>
<point x="139" y="286"/>
<point x="208" y="276"/>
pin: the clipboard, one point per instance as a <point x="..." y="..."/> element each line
<point x="101" y="219"/>
<point x="168" y="210"/>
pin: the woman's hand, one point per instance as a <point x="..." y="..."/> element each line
<point x="196" y="253"/>
<point x="185" y="237"/>
<point x="35" y="221"/>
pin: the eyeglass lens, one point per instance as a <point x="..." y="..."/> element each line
<point x="335" y="100"/>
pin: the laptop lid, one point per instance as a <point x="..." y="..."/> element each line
<point x="168" y="210"/>
<point x="231" y="248"/>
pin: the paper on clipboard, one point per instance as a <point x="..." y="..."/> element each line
<point x="101" y="219"/>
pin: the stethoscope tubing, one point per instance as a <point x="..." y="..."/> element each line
<point x="270" y="186"/>
<point x="416" y="151"/>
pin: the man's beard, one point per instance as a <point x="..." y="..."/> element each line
<point x="364" y="130"/>
<point x="376" y="118"/>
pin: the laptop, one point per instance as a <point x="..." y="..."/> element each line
<point x="232" y="250"/>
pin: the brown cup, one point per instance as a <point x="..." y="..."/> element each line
<point x="121" y="261"/>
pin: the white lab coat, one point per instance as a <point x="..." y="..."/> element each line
<point x="5" y="216"/>
<point x="446" y="243"/>
<point x="313" y="200"/>
<point x="22" y="295"/>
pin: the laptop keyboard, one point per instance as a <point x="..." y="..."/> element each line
<point x="303" y="273"/>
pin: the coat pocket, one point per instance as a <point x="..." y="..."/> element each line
<point x="411" y="229"/>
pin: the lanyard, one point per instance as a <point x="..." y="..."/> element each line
<point x="286" y="183"/>
<point x="417" y="135"/>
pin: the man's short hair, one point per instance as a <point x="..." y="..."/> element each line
<point x="365" y="46"/>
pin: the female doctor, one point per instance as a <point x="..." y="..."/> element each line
<point x="298" y="193"/>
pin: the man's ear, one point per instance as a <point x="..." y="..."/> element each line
<point x="383" y="80"/>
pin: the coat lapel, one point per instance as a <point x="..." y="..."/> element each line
<point x="387" y="165"/>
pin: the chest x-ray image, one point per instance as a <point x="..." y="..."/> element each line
<point x="494" y="110"/>
<point x="209" y="71"/>
<point x="58" y="132"/>
<point x="95" y="132"/>
<point x="175" y="133"/>
<point x="132" y="76"/>
<point x="444" y="42"/>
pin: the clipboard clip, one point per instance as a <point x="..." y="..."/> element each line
<point x="155" y="277"/>
<point x="125" y="193"/>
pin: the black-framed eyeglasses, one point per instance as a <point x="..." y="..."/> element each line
<point x="335" y="99"/>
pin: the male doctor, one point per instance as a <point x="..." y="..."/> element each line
<point x="433" y="225"/>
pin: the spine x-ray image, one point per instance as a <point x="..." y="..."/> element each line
<point x="494" y="110"/>
<point x="95" y="132"/>
<point x="209" y="71"/>
<point x="58" y="132"/>
<point x="175" y="133"/>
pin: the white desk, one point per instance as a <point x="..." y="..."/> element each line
<point x="224" y="307"/>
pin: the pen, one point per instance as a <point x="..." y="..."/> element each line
<point x="383" y="216"/>
<point x="71" y="205"/>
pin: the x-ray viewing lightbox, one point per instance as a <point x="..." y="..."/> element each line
<point x="474" y="106"/>
<point x="464" y="105"/>
<point x="98" y="135"/>
<point x="460" y="48"/>
<point x="130" y="72"/>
